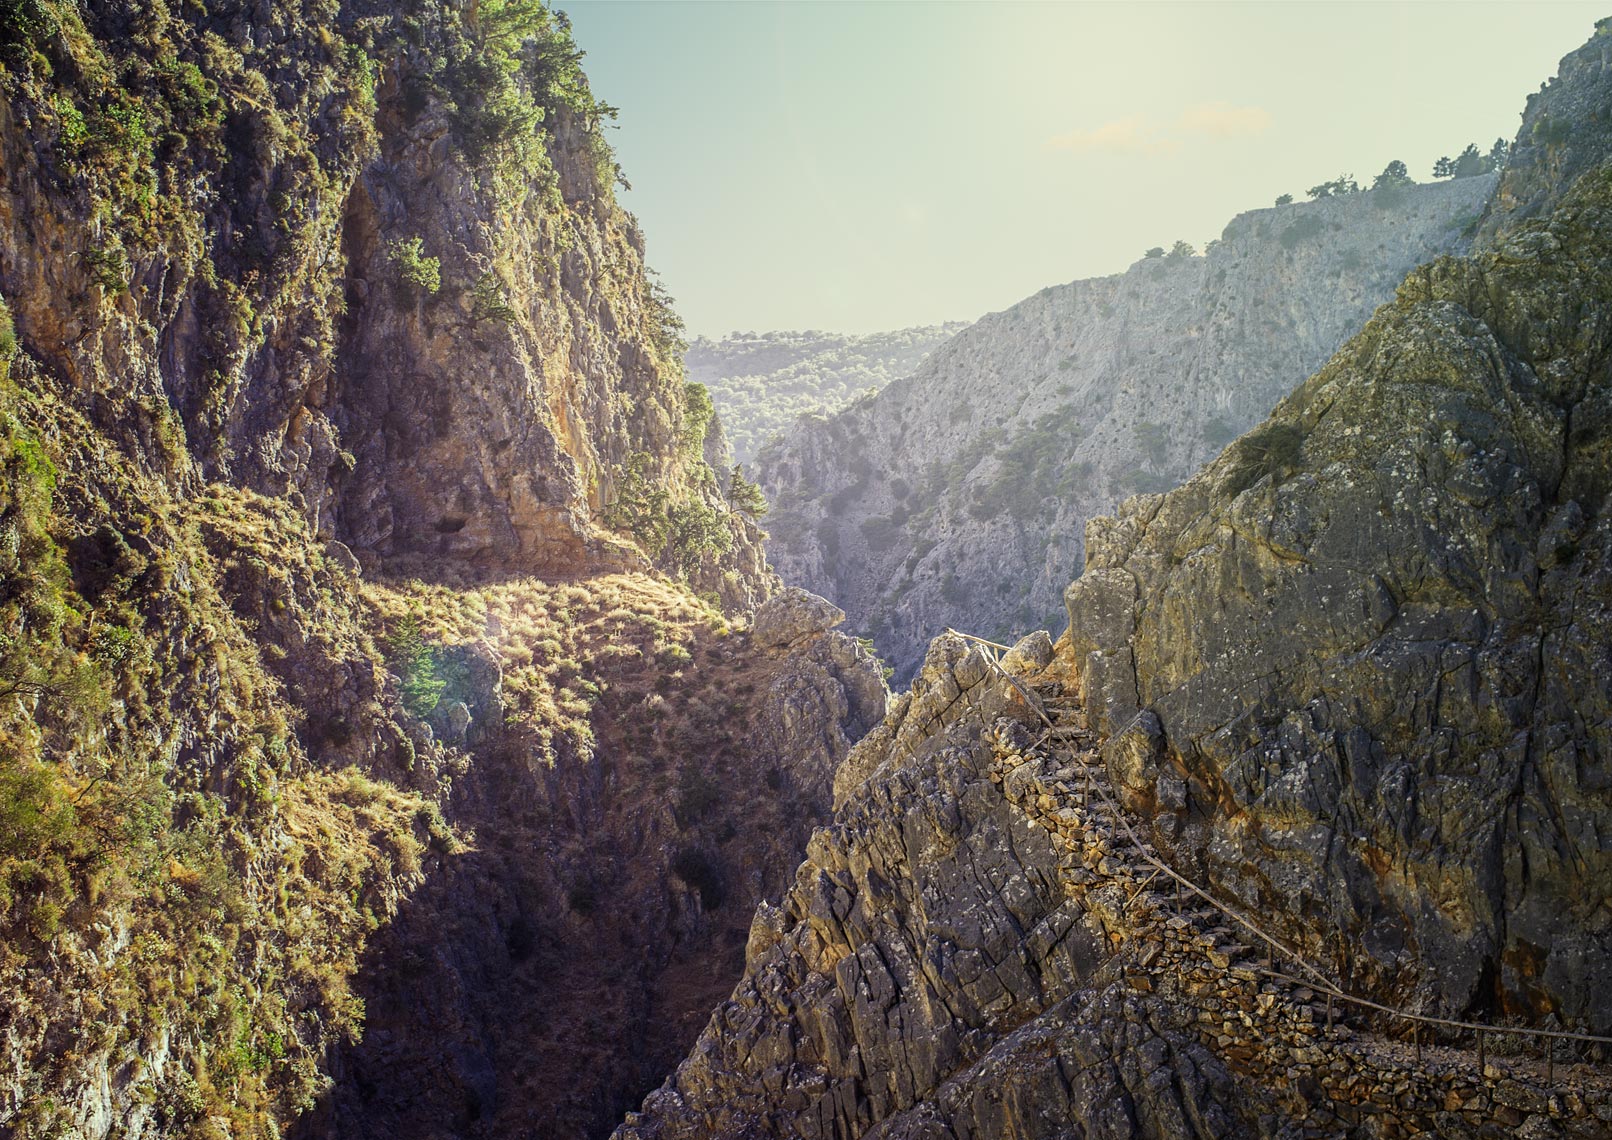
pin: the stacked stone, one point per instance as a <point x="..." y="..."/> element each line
<point x="1242" y="1005"/>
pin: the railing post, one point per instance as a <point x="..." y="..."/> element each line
<point x="1550" y="1060"/>
<point x="1329" y="1013"/>
<point x="1481" y="1065"/>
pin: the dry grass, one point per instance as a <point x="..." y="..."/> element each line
<point x="563" y="645"/>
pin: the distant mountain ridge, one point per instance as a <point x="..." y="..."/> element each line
<point x="959" y="495"/>
<point x="762" y="382"/>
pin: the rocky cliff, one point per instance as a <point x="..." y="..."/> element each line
<point x="762" y="382"/>
<point x="1325" y="729"/>
<point x="368" y="612"/>
<point x="959" y="495"/>
<point x="1361" y="646"/>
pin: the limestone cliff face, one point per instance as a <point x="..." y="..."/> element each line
<point x="237" y="294"/>
<point x="324" y="350"/>
<point x="1361" y="652"/>
<point x="958" y="495"/>
<point x="977" y="947"/>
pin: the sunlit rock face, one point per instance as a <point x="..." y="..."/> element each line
<point x="959" y="495"/>
<point x="1373" y="631"/>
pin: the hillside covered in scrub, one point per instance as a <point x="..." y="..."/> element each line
<point x="762" y="382"/>
<point x="375" y="642"/>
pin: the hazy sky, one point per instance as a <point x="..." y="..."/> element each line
<point x="864" y="166"/>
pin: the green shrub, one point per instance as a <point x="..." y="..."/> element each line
<point x="487" y="301"/>
<point x="693" y="531"/>
<point x="697" y="794"/>
<point x="698" y="411"/>
<point x="109" y="267"/>
<point x="1300" y="230"/>
<point x="418" y="667"/>
<point x="640" y="505"/>
<point x="8" y="338"/>
<point x="415" y="271"/>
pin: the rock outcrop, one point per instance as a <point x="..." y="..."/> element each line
<point x="958" y="495"/>
<point x="977" y="947"/>
<point x="1369" y="635"/>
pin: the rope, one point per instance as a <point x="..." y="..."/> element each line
<point x="1317" y="979"/>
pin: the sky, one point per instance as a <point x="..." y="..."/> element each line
<point x="859" y="166"/>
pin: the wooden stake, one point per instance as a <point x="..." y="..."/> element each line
<point x="1329" y="1013"/>
<point x="1481" y="1065"/>
<point x="1550" y="1060"/>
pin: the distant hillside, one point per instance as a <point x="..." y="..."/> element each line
<point x="959" y="494"/>
<point x="762" y="381"/>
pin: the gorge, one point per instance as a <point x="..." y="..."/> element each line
<point x="407" y="728"/>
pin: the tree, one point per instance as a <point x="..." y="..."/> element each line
<point x="694" y="530"/>
<point x="1339" y="186"/>
<point x="1499" y="153"/>
<point x="1444" y="167"/>
<point x="1394" y="174"/>
<point x="745" y="495"/>
<point x="1388" y="189"/>
<point x="1284" y="199"/>
<point x="1156" y="251"/>
<point x="1182" y="249"/>
<point x="1469" y="163"/>
<point x="698" y="411"/>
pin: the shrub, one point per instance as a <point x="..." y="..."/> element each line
<point x="640" y="505"/>
<point x="418" y="667"/>
<point x="696" y="869"/>
<point x="487" y="301"/>
<point x="698" y="411"/>
<point x="1302" y="229"/>
<point x="415" y="271"/>
<point x="1268" y="450"/>
<point x="109" y="267"/>
<point x="8" y="338"/>
<point x="694" y="530"/>
<point x="697" y="794"/>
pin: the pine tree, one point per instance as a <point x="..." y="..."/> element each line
<point x="745" y="495"/>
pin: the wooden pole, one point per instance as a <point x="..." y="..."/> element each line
<point x="1329" y="1013"/>
<point x="1481" y="1065"/>
<point x="1550" y="1060"/>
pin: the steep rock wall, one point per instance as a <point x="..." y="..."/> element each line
<point x="1365" y="643"/>
<point x="959" y="495"/>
